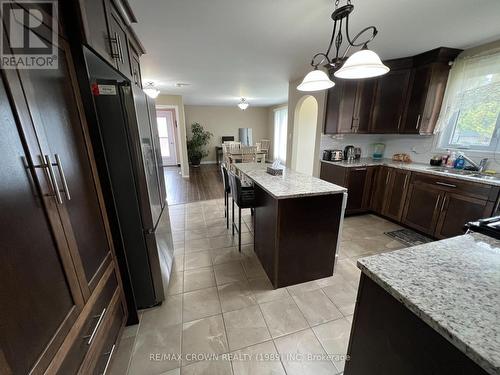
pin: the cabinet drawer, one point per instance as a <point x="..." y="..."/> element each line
<point x="105" y="355"/>
<point x="90" y="326"/>
<point x="473" y="189"/>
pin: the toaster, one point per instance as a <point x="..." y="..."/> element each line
<point x="337" y="155"/>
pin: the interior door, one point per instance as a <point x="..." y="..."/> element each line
<point x="166" y="123"/>
<point x="54" y="108"/>
<point x="39" y="291"/>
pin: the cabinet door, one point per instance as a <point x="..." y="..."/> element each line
<point x="390" y="98"/>
<point x="119" y="43"/>
<point x="357" y="179"/>
<point x="135" y="66"/>
<point x="456" y="210"/>
<point x="363" y="106"/>
<point x="422" y="207"/>
<point x="54" y="107"/>
<point x="340" y="107"/>
<point x="96" y="27"/>
<point x="396" y="195"/>
<point x="40" y="296"/>
<point x="381" y="181"/>
<point x="416" y="100"/>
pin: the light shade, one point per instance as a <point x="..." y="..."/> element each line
<point x="315" y="81"/>
<point x="151" y="91"/>
<point x="362" y="64"/>
<point x="243" y="104"/>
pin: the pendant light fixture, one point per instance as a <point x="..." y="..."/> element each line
<point x="362" y="64"/>
<point x="151" y="91"/>
<point x="243" y="104"/>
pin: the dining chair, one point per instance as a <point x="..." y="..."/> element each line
<point x="227" y="192"/>
<point x="249" y="154"/>
<point x="264" y="146"/>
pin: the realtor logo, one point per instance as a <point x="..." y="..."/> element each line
<point x="30" y="37"/>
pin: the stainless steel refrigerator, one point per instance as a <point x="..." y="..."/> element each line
<point x="245" y="135"/>
<point x="127" y="124"/>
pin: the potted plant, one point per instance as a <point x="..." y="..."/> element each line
<point x="196" y="145"/>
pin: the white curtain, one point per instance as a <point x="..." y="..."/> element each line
<point x="468" y="75"/>
<point x="280" y="133"/>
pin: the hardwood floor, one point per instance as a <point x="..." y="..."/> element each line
<point x="204" y="183"/>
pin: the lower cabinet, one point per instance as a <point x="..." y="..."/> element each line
<point x="422" y="208"/>
<point x="397" y="185"/>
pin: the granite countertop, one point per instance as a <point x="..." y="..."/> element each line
<point x="289" y="185"/>
<point x="416" y="167"/>
<point x="454" y="286"/>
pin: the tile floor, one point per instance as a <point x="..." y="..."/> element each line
<point x="222" y="316"/>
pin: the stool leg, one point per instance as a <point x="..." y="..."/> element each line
<point x="239" y="229"/>
<point x="227" y="212"/>
<point x="233" y="215"/>
<point x="225" y="203"/>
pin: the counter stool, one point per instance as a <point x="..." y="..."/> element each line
<point x="227" y="191"/>
<point x="244" y="197"/>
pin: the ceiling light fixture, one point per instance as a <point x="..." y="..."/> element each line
<point x="362" y="64"/>
<point x="151" y="91"/>
<point x="243" y="104"/>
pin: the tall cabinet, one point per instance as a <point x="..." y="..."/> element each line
<point x="62" y="302"/>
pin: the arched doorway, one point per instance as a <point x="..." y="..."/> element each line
<point x="304" y="135"/>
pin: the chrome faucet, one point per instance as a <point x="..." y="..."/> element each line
<point x="478" y="167"/>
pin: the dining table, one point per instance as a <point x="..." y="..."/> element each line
<point x="260" y="156"/>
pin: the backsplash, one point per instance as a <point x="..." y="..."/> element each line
<point x="420" y="148"/>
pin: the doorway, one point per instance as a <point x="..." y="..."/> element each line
<point x="167" y="125"/>
<point x="306" y="118"/>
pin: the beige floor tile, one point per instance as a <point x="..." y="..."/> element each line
<point x="343" y="296"/>
<point x="200" y="304"/>
<point x="348" y="270"/>
<point x="218" y="230"/>
<point x="121" y="357"/>
<point x="223" y="241"/>
<point x="229" y="273"/>
<point x="283" y="317"/>
<point x="334" y="337"/>
<point x="212" y="367"/>
<point x="178" y="263"/>
<point x="197" y="259"/>
<point x="264" y="291"/>
<point x="227" y="254"/>
<point x="304" y="287"/>
<point x="303" y="343"/>
<point x="235" y="296"/>
<point x="196" y="245"/>
<point x="176" y="283"/>
<point x="204" y="336"/>
<point x="165" y="341"/>
<point x="216" y="219"/>
<point x="245" y="327"/>
<point x="198" y="278"/>
<point x="316" y="307"/>
<point x="253" y="268"/>
<point x="167" y="314"/>
<point x="260" y="359"/>
<point x="195" y="234"/>
<point x="130" y="331"/>
<point x="178" y="236"/>
<point x="175" y="371"/>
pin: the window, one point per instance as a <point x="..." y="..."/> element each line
<point x="470" y="117"/>
<point x="280" y="133"/>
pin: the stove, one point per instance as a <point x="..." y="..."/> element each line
<point x="489" y="226"/>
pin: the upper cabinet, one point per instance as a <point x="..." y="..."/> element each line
<point x="107" y="30"/>
<point x="405" y="100"/>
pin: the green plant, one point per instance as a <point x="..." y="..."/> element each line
<point x="196" y="145"/>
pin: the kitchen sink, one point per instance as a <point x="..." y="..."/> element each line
<point x="462" y="172"/>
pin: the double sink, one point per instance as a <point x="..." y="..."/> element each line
<point x="463" y="172"/>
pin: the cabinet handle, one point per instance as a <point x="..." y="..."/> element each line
<point x="53" y="179"/>
<point x="399" y="121"/>
<point x="387" y="178"/>
<point x="445" y="184"/>
<point x="63" y="176"/>
<point x="444" y="203"/>
<point x="92" y="335"/>
<point x="360" y="169"/>
<point x="406" y="180"/>
<point x="418" y="121"/>
<point x="109" y="359"/>
<point x="114" y="41"/>
<point x="120" y="51"/>
<point x="437" y="203"/>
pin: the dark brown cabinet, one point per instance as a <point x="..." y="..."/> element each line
<point x="390" y="98"/>
<point x="358" y="182"/>
<point x="380" y="182"/>
<point x="96" y="31"/>
<point x="396" y="189"/>
<point x="119" y="42"/>
<point x="440" y="207"/>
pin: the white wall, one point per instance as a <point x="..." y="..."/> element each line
<point x="222" y="121"/>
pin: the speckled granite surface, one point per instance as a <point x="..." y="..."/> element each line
<point x="416" y="167"/>
<point x="290" y="185"/>
<point x="454" y="286"/>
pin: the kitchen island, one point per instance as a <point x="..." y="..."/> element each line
<point x="429" y="309"/>
<point x="298" y="221"/>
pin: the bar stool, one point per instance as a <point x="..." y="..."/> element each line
<point x="244" y="197"/>
<point x="227" y="191"/>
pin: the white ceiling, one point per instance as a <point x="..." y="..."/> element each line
<point x="227" y="49"/>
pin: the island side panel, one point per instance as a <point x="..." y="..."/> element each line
<point x="307" y="237"/>
<point x="266" y="231"/>
<point x="387" y="338"/>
